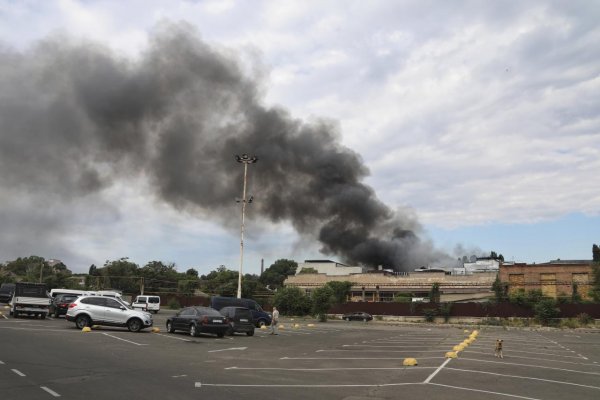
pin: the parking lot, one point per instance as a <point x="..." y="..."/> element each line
<point x="335" y="360"/>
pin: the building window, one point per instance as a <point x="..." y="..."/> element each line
<point x="548" y="282"/>
<point x="516" y="282"/>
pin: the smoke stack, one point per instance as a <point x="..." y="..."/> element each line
<point x="262" y="266"/>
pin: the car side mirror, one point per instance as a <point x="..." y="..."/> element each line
<point x="123" y="308"/>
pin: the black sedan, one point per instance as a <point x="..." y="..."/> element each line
<point x="358" y="316"/>
<point x="61" y="303"/>
<point x="197" y="320"/>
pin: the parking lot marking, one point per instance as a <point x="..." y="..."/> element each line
<point x="16" y="371"/>
<point x="125" y="340"/>
<point x="510" y="355"/>
<point x="533" y="366"/>
<point x="485" y="391"/>
<point x="524" y="377"/>
<point x="378" y="351"/>
<point x="355" y="358"/>
<point x="52" y="392"/>
<point x="403" y="347"/>
<point x="430" y="377"/>
<point x="200" y="384"/>
<point x="173" y="337"/>
<point x="324" y="369"/>
<point x="231" y="348"/>
<point x="1" y="362"/>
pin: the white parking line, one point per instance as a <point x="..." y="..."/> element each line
<point x="355" y="358"/>
<point x="125" y="340"/>
<point x="430" y="377"/>
<point x="52" y="392"/>
<point x="380" y="351"/>
<point x="510" y="355"/>
<point x="524" y="377"/>
<point x="200" y="384"/>
<point x="529" y="365"/>
<point x="173" y="337"/>
<point x="402" y="347"/>
<point x="485" y="391"/>
<point x="325" y="369"/>
<point x="16" y="371"/>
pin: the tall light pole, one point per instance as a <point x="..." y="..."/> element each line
<point x="244" y="159"/>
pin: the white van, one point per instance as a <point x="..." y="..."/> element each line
<point x="147" y="303"/>
<point x="56" y="292"/>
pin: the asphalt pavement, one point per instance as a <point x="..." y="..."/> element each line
<point x="45" y="359"/>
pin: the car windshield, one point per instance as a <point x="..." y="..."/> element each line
<point x="153" y="300"/>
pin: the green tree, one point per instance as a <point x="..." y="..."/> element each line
<point x="222" y="282"/>
<point x="322" y="299"/>
<point x="341" y="290"/>
<point x="120" y="274"/>
<point x="292" y="301"/>
<point x="499" y="290"/>
<point x="277" y="272"/>
<point x="595" y="281"/>
<point x="434" y="293"/>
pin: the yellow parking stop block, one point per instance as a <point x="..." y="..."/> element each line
<point x="155" y="330"/>
<point x="458" y="348"/>
<point x="451" y="354"/>
<point x="282" y="326"/>
<point x="296" y="326"/>
<point x="264" y="327"/>
<point x="466" y="331"/>
<point x="409" y="362"/>
<point x="86" y="329"/>
<point x="311" y="325"/>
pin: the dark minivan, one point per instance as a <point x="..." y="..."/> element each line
<point x="240" y="320"/>
<point x="259" y="316"/>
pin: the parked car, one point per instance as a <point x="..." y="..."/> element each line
<point x="197" y="320"/>
<point x="104" y="310"/>
<point x="358" y="316"/>
<point x="6" y="292"/>
<point x="147" y="303"/>
<point x="60" y="304"/>
<point x="240" y="320"/>
<point x="259" y="316"/>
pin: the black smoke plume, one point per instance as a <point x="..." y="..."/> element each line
<point x="75" y="117"/>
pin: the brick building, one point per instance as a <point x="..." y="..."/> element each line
<point x="555" y="278"/>
<point x="381" y="287"/>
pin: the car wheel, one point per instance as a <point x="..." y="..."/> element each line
<point x="56" y="314"/>
<point x="262" y="322"/>
<point x="251" y="333"/>
<point x="43" y="316"/>
<point x="364" y="320"/>
<point x="82" y="321"/>
<point x="170" y="327"/>
<point x="15" y="314"/>
<point x="221" y="334"/>
<point x="230" y="331"/>
<point x="193" y="331"/>
<point x="134" y="325"/>
<point x="347" y="318"/>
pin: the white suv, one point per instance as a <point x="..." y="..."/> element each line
<point x="102" y="310"/>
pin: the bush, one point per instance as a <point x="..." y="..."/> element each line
<point x="445" y="310"/>
<point x="292" y="301"/>
<point x="569" y="323"/>
<point x="173" y="304"/>
<point x="585" y="319"/>
<point x="430" y="314"/>
<point x="546" y="310"/>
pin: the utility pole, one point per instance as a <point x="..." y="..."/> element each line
<point x="244" y="159"/>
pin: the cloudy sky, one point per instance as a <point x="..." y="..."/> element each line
<point x="475" y="123"/>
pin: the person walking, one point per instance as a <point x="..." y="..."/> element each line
<point x="274" y="321"/>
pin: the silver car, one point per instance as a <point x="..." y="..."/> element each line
<point x="103" y="310"/>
